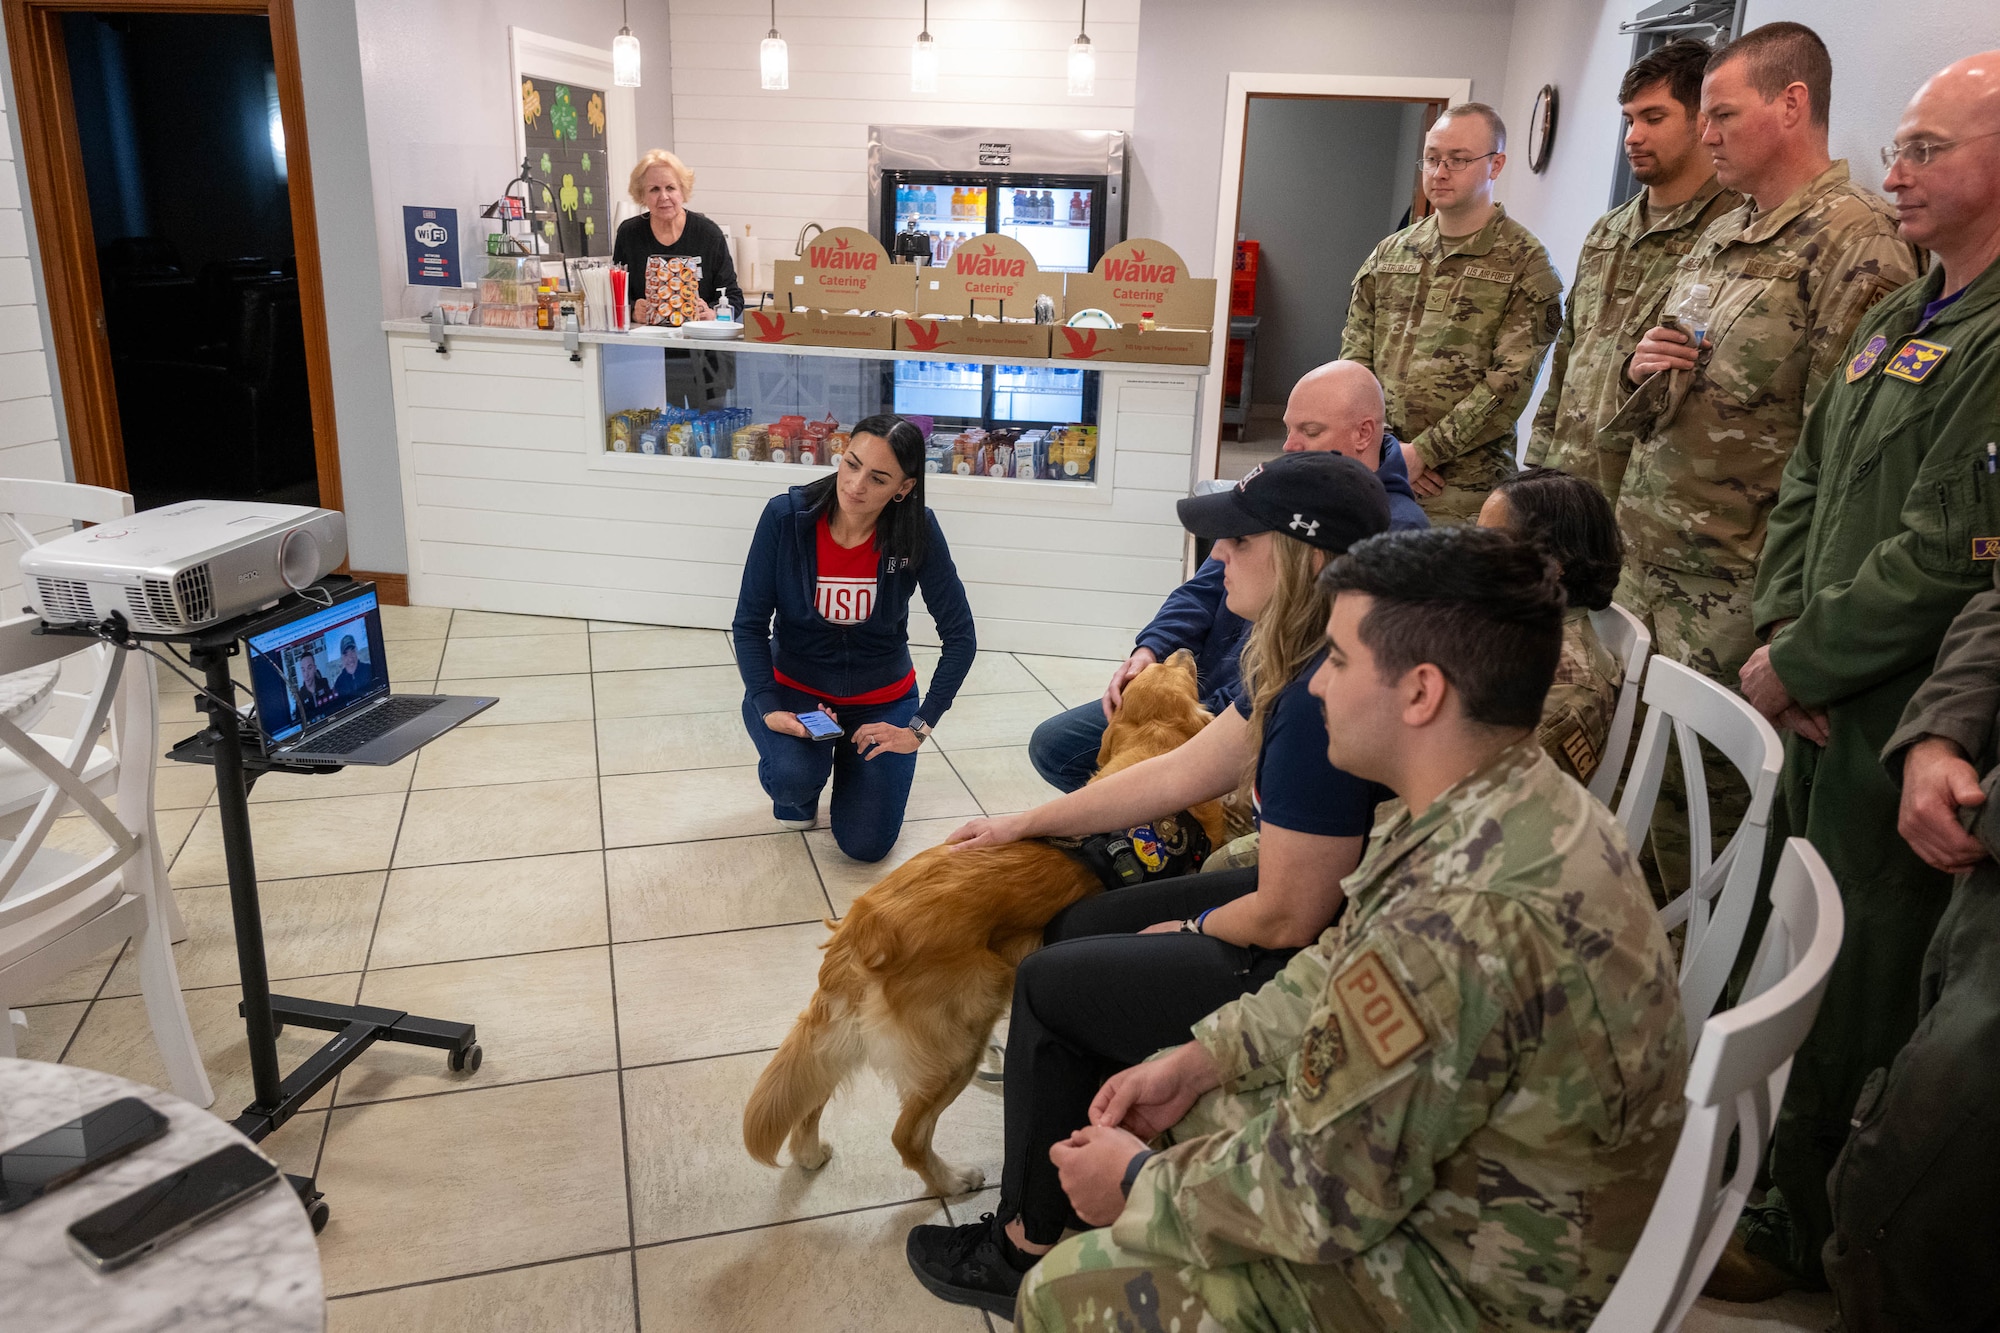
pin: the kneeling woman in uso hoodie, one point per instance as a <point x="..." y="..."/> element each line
<point x="823" y="625"/>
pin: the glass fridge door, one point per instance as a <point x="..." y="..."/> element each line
<point x="1054" y="222"/>
<point x="941" y="390"/>
<point x="949" y="214"/>
<point x="1037" y="394"/>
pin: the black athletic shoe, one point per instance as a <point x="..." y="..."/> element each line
<point x="966" y="1265"/>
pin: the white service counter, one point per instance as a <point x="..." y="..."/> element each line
<point x="514" y="503"/>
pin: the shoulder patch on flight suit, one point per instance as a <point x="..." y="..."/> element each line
<point x="1582" y="754"/>
<point x="1380" y="1011"/>
<point x="1916" y="361"/>
<point x="1865" y="359"/>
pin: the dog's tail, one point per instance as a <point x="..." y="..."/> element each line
<point x="816" y="1057"/>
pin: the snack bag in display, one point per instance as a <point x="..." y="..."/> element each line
<point x="751" y="443"/>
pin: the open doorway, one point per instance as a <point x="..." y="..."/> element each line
<point x="1323" y="180"/>
<point x="164" y="143"/>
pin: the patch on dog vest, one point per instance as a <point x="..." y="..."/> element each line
<point x="1169" y="845"/>
<point x="1381" y="1012"/>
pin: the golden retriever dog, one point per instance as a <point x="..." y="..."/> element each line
<point x="922" y="966"/>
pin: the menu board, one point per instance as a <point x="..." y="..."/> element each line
<point x="563" y="128"/>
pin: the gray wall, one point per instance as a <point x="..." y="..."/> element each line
<point x="441" y="101"/>
<point x="1187" y="49"/>
<point x="1322" y="183"/>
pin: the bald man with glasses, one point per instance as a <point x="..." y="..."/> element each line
<point x="1454" y="316"/>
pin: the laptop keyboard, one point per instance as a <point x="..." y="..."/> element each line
<point x="390" y="714"/>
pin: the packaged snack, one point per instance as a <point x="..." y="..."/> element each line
<point x="836" y="445"/>
<point x="999" y="459"/>
<point x="1078" y="459"/>
<point x="1031" y="455"/>
<point x="678" y="439"/>
<point x="618" y="433"/>
<point x="753" y="443"/>
<point x="937" y="457"/>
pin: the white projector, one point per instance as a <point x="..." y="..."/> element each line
<point x="184" y="566"/>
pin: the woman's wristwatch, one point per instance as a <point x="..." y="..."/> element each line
<point x="921" y="728"/>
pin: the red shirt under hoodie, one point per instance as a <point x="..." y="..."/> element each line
<point x="845" y="595"/>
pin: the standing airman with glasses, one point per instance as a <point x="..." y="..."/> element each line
<point x="1887" y="524"/>
<point x="1454" y="315"/>
<point x="1628" y="263"/>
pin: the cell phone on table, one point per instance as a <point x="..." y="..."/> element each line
<point x="819" y="726"/>
<point x="49" y="1161"/>
<point x="156" y="1215"/>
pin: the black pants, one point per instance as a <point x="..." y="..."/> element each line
<point x="1916" y="1192"/>
<point x="1097" y="999"/>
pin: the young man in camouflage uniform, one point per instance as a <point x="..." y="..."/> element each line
<point x="1628" y="262"/>
<point x="1790" y="274"/>
<point x="1888" y="521"/>
<point x="1456" y="1108"/>
<point x="1453" y="316"/>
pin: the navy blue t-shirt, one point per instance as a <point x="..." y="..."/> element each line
<point x="1297" y="788"/>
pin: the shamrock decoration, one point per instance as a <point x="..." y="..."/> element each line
<point x="594" y="113"/>
<point x="547" y="166"/>
<point x="590" y="226"/>
<point x="562" y="116"/>
<point x="569" y="195"/>
<point x="548" y="228"/>
<point x="531" y="101"/>
<point x="587" y="200"/>
<point x="586" y="161"/>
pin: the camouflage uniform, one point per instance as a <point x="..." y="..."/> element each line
<point x="1622" y="276"/>
<point x="1451" y="1112"/>
<point x="1709" y="446"/>
<point x="1455" y="330"/>
<point x="1576" y="717"/>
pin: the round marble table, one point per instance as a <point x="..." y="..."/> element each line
<point x="255" y="1269"/>
<point x="25" y="695"/>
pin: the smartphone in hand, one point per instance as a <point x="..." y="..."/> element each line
<point x="819" y="726"/>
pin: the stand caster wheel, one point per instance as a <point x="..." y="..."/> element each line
<point x="317" y="1212"/>
<point x="467" y="1061"/>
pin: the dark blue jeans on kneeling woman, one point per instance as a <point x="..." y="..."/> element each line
<point x="868" y="794"/>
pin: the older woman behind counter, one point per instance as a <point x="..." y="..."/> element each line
<point x="661" y="184"/>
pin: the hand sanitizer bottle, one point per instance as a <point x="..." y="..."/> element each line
<point x="723" y="312"/>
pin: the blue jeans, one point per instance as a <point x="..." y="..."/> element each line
<point x="868" y="794"/>
<point x="1064" y="748"/>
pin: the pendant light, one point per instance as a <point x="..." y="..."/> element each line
<point x="625" y="54"/>
<point x="924" y="58"/>
<point x="773" y="59"/>
<point x="1082" y="59"/>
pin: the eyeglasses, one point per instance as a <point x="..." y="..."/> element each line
<point x="1919" y="152"/>
<point x="1451" y="166"/>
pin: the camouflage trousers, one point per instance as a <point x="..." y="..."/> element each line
<point x="1237" y="854"/>
<point x="1704" y="623"/>
<point x="1468" y="480"/>
<point x="1090" y="1281"/>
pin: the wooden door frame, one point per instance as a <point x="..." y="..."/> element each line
<point x="60" y="205"/>
<point x="1235" y="133"/>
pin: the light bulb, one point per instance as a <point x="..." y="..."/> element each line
<point x="923" y="64"/>
<point x="625" y="59"/>
<point x="1082" y="68"/>
<point x="775" y="62"/>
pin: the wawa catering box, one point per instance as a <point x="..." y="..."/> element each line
<point x="1134" y="278"/>
<point x="981" y="302"/>
<point x="843" y="293"/>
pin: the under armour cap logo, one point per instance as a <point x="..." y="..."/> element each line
<point x="1299" y="522"/>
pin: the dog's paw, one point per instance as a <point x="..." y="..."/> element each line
<point x="815" y="1157"/>
<point x="956" y="1180"/>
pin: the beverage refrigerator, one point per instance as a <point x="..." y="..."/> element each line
<point x="1061" y="193"/>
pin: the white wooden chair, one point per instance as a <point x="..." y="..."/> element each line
<point x="1721" y="890"/>
<point x="1627" y="639"/>
<point x="1736" y="1082"/>
<point x="20" y="786"/>
<point x="59" y="910"/>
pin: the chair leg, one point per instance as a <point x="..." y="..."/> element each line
<point x="160" y="983"/>
<point x="7" y="1032"/>
<point x="170" y="906"/>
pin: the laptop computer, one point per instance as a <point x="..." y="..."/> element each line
<point x="320" y="675"/>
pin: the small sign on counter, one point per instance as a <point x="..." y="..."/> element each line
<point x="430" y="245"/>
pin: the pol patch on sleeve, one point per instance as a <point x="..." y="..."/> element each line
<point x="1380" y="1010"/>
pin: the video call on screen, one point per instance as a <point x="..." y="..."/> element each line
<point x="316" y="667"/>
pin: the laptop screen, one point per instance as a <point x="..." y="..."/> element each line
<point x="317" y="665"/>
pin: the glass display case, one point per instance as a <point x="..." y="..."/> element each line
<point x="1031" y="422"/>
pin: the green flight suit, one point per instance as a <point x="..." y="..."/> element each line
<point x="1885" y="521"/>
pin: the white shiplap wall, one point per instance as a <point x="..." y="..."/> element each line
<point x="777" y="160"/>
<point x="29" y="444"/>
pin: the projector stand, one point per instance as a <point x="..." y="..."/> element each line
<point x="278" y="1098"/>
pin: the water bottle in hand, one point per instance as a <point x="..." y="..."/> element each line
<point x="1693" y="312"/>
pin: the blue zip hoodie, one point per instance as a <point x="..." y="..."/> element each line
<point x="1195" y="617"/>
<point x="779" y="578"/>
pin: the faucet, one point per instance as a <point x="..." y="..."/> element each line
<point x="799" y="250"/>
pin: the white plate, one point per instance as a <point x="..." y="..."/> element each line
<point x="712" y="328"/>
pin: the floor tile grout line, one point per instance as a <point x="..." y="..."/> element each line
<point x="794" y="1221"/>
<point x="483" y="1272"/>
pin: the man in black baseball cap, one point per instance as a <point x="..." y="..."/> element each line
<point x="355" y="675"/>
<point x="1324" y="500"/>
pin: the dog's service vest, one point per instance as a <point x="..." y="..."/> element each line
<point x="1167" y="846"/>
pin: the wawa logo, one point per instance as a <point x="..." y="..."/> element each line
<point x="923" y="337"/>
<point x="839" y="255"/>
<point x="983" y="263"/>
<point x="770" y="328"/>
<point x="1082" y="343"/>
<point x="1136" y="269"/>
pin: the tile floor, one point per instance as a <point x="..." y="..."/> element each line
<point x="589" y="872"/>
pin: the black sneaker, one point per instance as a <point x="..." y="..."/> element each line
<point x="966" y="1265"/>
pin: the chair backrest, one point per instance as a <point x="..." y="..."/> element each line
<point x="71" y="894"/>
<point x="1736" y="1082"/>
<point x="22" y="499"/>
<point x="1626" y="638"/>
<point x="1721" y="889"/>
